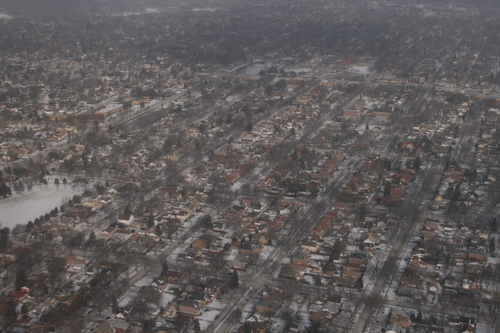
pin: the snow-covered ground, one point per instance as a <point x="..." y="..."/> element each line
<point x="360" y="69"/>
<point x="207" y="318"/>
<point x="484" y="328"/>
<point x="300" y="69"/>
<point x="206" y="9"/>
<point x="146" y="11"/>
<point x="254" y="70"/>
<point x="266" y="252"/>
<point x="3" y="16"/>
<point x="23" y="207"/>
<point x="166" y="299"/>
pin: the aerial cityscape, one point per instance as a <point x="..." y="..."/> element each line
<point x="249" y="166"/>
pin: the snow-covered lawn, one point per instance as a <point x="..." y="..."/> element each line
<point x="126" y="300"/>
<point x="484" y="328"/>
<point x="233" y="254"/>
<point x="216" y="305"/>
<point x="266" y="251"/>
<point x="23" y="207"/>
<point x="207" y="318"/>
<point x="309" y="279"/>
<point x="166" y="298"/>
<point x="144" y="282"/>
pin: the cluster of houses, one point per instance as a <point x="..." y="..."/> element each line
<point x="304" y="174"/>
<point x="263" y="313"/>
<point x="41" y="310"/>
<point x="323" y="260"/>
<point x="237" y="238"/>
<point x="378" y="104"/>
<point x="448" y="260"/>
<point x="399" y="320"/>
<point x="143" y="233"/>
<point x="186" y="300"/>
<point x="374" y="184"/>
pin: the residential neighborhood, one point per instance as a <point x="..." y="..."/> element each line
<point x="228" y="166"/>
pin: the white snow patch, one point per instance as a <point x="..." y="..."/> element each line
<point x="144" y="282"/>
<point x="360" y="69"/>
<point x="166" y="298"/>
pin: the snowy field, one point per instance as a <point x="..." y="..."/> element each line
<point x="146" y="11"/>
<point x="23" y="207"/>
<point x="299" y="70"/>
<point x="254" y="70"/>
<point x="206" y="9"/>
<point x="250" y="69"/>
<point x="360" y="69"/>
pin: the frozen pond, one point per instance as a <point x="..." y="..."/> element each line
<point x="23" y="207"/>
